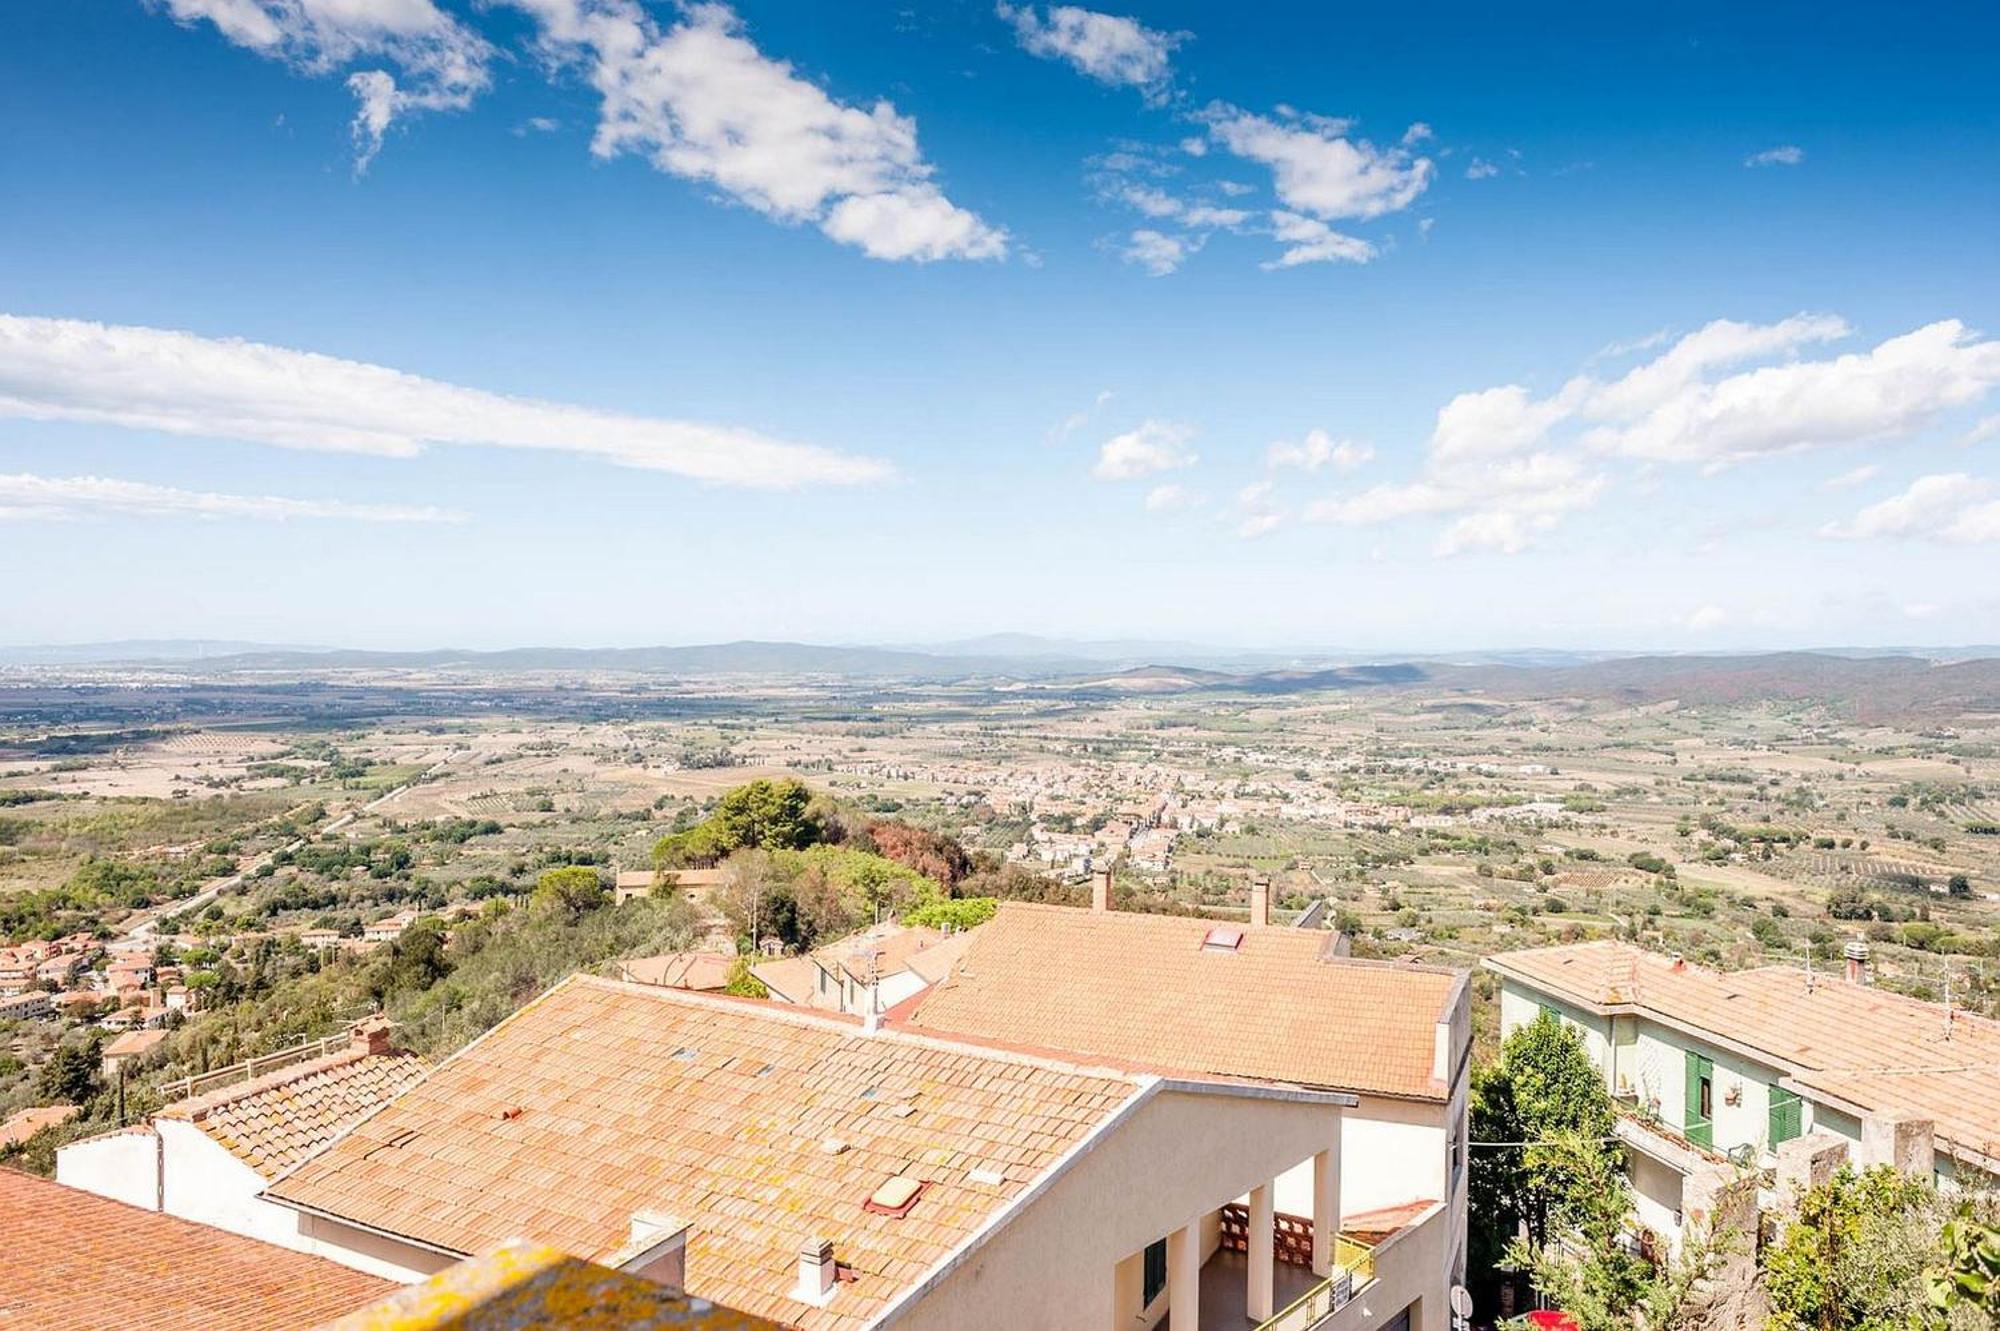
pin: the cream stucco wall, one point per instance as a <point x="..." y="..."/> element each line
<point x="202" y="1181"/>
<point x="1057" y="1263"/>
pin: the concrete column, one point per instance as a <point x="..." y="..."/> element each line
<point x="1326" y="1209"/>
<point x="1260" y="1285"/>
<point x="1184" y="1277"/>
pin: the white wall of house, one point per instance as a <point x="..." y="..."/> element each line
<point x="124" y="1166"/>
<point x="1059" y="1261"/>
<point x="202" y="1181"/>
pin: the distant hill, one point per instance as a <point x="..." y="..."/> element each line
<point x="134" y="650"/>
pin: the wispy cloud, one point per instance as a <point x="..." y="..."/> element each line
<point x="1318" y="166"/>
<point x="1159" y="252"/>
<point x="62" y="497"/>
<point x="1847" y="480"/>
<point x="1787" y="154"/>
<point x="699" y="100"/>
<point x="1155" y="446"/>
<point x="1318" y="449"/>
<point x="184" y="384"/>
<point x="439" y="64"/>
<point x="1117" y="51"/>
<point x="1171" y="499"/>
<point x="1951" y="507"/>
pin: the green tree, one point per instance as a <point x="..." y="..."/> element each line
<point x="1542" y="1085"/>
<point x="766" y="815"/>
<point x="69" y="1077"/>
<point x="1966" y="1284"/>
<point x="1854" y="1256"/>
<point x="742" y="983"/>
<point x="574" y="890"/>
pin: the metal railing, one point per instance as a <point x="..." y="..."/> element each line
<point x="249" y="1069"/>
<point x="1354" y="1267"/>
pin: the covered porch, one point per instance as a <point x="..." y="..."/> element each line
<point x="1244" y="1266"/>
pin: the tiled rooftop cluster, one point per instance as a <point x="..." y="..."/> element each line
<point x="1157" y="991"/>
<point x="279" y="1119"/>
<point x="760" y="1127"/>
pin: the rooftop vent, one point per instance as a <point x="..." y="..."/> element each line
<point x="818" y="1273"/>
<point x="1222" y="939"/>
<point x="895" y="1197"/>
<point x="685" y="1054"/>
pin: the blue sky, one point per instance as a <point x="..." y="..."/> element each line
<point x="415" y="322"/>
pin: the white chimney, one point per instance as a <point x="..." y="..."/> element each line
<point x="1100" y="890"/>
<point x="1260" y="901"/>
<point x="1856" y="953"/>
<point x="818" y="1273"/>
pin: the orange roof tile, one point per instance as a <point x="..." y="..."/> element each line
<point x="73" y="1261"/>
<point x="274" y="1121"/>
<point x="1875" y="1049"/>
<point x="679" y="970"/>
<point x="601" y="1099"/>
<point x="1143" y="990"/>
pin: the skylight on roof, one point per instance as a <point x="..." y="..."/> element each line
<point x="1222" y="938"/>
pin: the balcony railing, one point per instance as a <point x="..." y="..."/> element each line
<point x="1353" y="1266"/>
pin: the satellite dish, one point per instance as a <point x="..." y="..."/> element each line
<point x="1461" y="1301"/>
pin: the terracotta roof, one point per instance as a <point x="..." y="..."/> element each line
<point x="524" y="1287"/>
<point x="75" y="1261"/>
<point x="28" y="1122"/>
<point x="882" y="950"/>
<point x="133" y="1043"/>
<point x="1144" y="990"/>
<point x="796" y="980"/>
<point x="679" y="970"/>
<point x="719" y="1111"/>
<point x="1875" y="1049"/>
<point x="935" y="962"/>
<point x="273" y="1122"/>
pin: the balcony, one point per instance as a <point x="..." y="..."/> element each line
<point x="1304" y="1300"/>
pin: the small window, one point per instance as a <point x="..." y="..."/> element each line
<point x="1222" y="939"/>
<point x="1156" y="1271"/>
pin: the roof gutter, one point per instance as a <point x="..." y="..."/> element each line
<point x="455" y="1254"/>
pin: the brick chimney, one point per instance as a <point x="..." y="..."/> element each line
<point x="1260" y="901"/>
<point x="818" y="1273"/>
<point x="372" y="1035"/>
<point x="1100" y="890"/>
<point x="1856" y="953"/>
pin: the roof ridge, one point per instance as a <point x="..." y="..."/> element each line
<point x="223" y="1096"/>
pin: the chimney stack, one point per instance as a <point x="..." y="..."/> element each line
<point x="371" y="1035"/>
<point x="1100" y="890"/>
<point x="818" y="1273"/>
<point x="1856" y="953"/>
<point x="1260" y="901"/>
<point x="656" y="1251"/>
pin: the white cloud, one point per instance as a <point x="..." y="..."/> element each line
<point x="1985" y="430"/>
<point x="180" y="383"/>
<point x="1313" y="241"/>
<point x="1510" y="465"/>
<point x="1921" y="609"/>
<point x="1171" y="499"/>
<point x="700" y="101"/>
<point x="1159" y="253"/>
<point x="63" y="497"/>
<point x="1707" y="619"/>
<point x="1317" y="167"/>
<point x="1847" y="480"/>
<point x="1417" y="133"/>
<point x="1900" y="386"/>
<point x="1951" y="507"/>
<point x="1155" y="446"/>
<point x="1076" y="420"/>
<point x="1257" y="512"/>
<point x="1787" y="154"/>
<point x="1120" y="52"/>
<point x="1481" y="169"/>
<point x="1194" y="147"/>
<point x="1318" y="449"/>
<point x="439" y="63"/>
<point x="537" y="125"/>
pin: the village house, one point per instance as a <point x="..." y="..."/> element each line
<point x="1262" y="1006"/>
<point x="206" y="1157"/>
<point x="829" y="1173"/>
<point x="130" y="1048"/>
<point x="1773" y="1067"/>
<point x="390" y="929"/>
<point x="693" y="884"/>
<point x="870" y="971"/>
<point x="27" y="1006"/>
